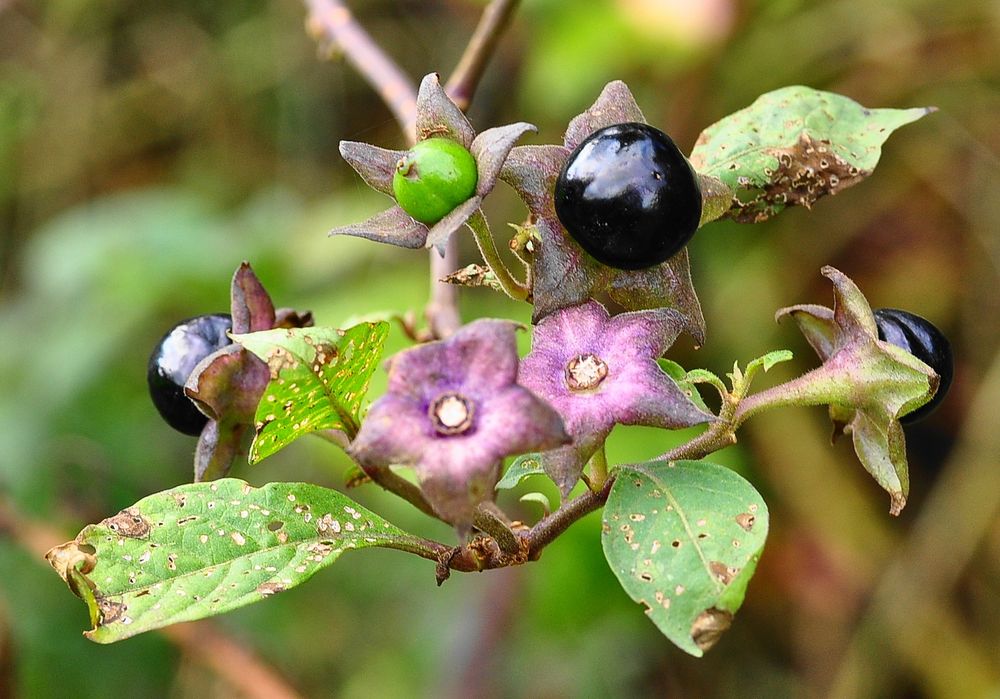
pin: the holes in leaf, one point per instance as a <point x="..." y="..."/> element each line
<point x="274" y="525"/>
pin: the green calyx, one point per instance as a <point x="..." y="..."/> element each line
<point x="433" y="178"/>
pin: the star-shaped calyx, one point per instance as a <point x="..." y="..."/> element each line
<point x="564" y="275"/>
<point x="868" y="383"/>
<point x="227" y="384"/>
<point x="598" y="371"/>
<point x="453" y="411"/>
<point x="437" y="116"/>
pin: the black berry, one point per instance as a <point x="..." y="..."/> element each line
<point x="628" y="196"/>
<point x="920" y="338"/>
<point x="172" y="361"/>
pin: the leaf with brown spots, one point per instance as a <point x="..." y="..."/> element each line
<point x="793" y="146"/>
<point x="676" y="536"/>
<point x="319" y="377"/>
<point x="207" y="548"/>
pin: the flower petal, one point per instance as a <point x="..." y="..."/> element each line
<point x="395" y="431"/>
<point x="437" y="115"/>
<point x="522" y="423"/>
<point x="375" y="165"/>
<point x="615" y="105"/>
<point x="639" y="393"/>
<point x="490" y="149"/>
<point x="393" y="226"/>
<point x="478" y="359"/>
<point x="643" y="334"/>
<point x="455" y="480"/>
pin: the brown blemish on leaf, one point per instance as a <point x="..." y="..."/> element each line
<point x="746" y="520"/>
<point x="111" y="611"/>
<point x="128" y="523"/>
<point x="806" y="171"/>
<point x="270" y="588"/>
<point x="708" y="628"/>
<point x="279" y="359"/>
<point x="722" y="572"/>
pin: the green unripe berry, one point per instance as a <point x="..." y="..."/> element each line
<point x="433" y="178"/>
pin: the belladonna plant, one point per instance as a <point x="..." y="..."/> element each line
<point x="464" y="419"/>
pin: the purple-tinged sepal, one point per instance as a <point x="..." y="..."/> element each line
<point x="867" y="383"/>
<point x="564" y="274"/>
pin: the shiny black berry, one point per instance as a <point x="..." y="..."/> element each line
<point x="920" y="338"/>
<point x="628" y="196"/>
<point x="171" y="363"/>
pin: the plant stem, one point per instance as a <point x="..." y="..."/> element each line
<point x="816" y="387"/>
<point x="331" y="22"/>
<point x="441" y="310"/>
<point x="488" y="249"/>
<point x="550" y="527"/>
<point x="481" y="47"/>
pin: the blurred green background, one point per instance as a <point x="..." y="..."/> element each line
<point x="147" y="148"/>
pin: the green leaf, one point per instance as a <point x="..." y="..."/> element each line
<point x="202" y="549"/>
<point x="765" y="363"/>
<point x="793" y="146"/>
<point x="682" y="378"/>
<point x="319" y="377"/>
<point x="523" y="466"/>
<point x="683" y="539"/>
<point x="539" y="499"/>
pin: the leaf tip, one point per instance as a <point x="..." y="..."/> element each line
<point x="709" y="627"/>
<point x="897" y="501"/>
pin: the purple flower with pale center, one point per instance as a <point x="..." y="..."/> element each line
<point x="453" y="411"/>
<point x="437" y="116"/>
<point x="598" y="371"/>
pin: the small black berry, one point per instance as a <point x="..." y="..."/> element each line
<point x="628" y="196"/>
<point x="924" y="341"/>
<point x="172" y="362"/>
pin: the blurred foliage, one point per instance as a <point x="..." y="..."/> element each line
<point x="146" y="149"/>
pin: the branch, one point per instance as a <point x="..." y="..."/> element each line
<point x="442" y="309"/>
<point x="548" y="528"/>
<point x="331" y="23"/>
<point x="463" y="81"/>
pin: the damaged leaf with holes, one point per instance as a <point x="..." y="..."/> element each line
<point x="683" y="538"/>
<point x="793" y="146"/>
<point x="319" y="378"/>
<point x="206" y="548"/>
